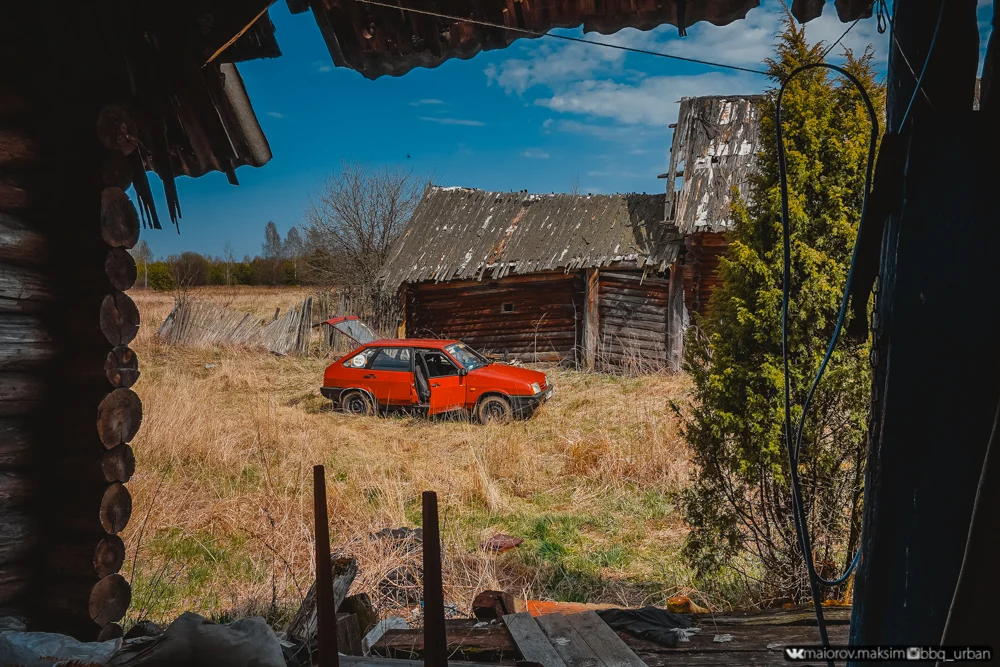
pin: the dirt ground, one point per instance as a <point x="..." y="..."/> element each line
<point x="222" y="514"/>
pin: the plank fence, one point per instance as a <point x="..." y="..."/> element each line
<point x="299" y="331"/>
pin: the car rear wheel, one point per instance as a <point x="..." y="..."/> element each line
<point x="357" y="403"/>
<point x="494" y="409"/>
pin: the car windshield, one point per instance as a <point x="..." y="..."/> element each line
<point x="466" y="356"/>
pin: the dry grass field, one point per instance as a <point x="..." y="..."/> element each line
<point x="222" y="517"/>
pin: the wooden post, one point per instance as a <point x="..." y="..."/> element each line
<point x="326" y="609"/>
<point x="67" y="413"/>
<point x="591" y="318"/>
<point x="401" y="329"/>
<point x="675" y="317"/>
<point x="931" y="423"/>
<point x="435" y="641"/>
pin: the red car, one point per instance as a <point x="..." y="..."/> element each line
<point x="431" y="375"/>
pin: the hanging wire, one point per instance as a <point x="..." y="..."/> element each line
<point x="850" y="28"/>
<point x="798" y="510"/>
<point x="536" y="33"/>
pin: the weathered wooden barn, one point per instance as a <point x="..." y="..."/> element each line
<point x="578" y="279"/>
<point x="712" y="154"/>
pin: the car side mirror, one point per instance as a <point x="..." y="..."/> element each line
<point x="462" y="372"/>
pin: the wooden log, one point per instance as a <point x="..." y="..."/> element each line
<point x="122" y="367"/>
<point x="17" y="148"/>
<point x="110" y="631"/>
<point x="119" y="266"/>
<point x="303" y="626"/>
<point x="17" y="444"/>
<point x="118" y="417"/>
<point x="18" y="488"/>
<point x="24" y="342"/>
<point x="15" y="583"/>
<point x="116" y="130"/>
<point x="22" y="290"/>
<point x="20" y="393"/>
<point x="13" y="196"/>
<point x="18" y="243"/>
<point x="110" y="599"/>
<point x="116" y="508"/>
<point x="465" y="642"/>
<point x="118" y="464"/>
<point x="116" y="170"/>
<point x="109" y="555"/>
<point x="119" y="318"/>
<point x="119" y="219"/>
<point x="361" y="606"/>
<point x="19" y="535"/>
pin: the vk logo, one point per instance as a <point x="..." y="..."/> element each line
<point x="795" y="653"/>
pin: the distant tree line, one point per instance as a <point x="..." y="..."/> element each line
<point x="352" y="221"/>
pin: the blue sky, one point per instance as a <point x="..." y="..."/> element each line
<point x="542" y="115"/>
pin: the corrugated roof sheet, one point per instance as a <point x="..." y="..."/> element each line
<point x="463" y="234"/>
<point x="378" y="40"/>
<point x="714" y="150"/>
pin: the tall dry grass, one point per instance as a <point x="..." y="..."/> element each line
<point x="222" y="515"/>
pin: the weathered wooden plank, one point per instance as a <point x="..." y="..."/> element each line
<point x="605" y="643"/>
<point x="18" y="243"/>
<point x="567" y="642"/>
<point x="356" y="661"/>
<point x="303" y="625"/>
<point x="531" y="641"/>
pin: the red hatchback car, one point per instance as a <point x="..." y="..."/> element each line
<point x="431" y="375"/>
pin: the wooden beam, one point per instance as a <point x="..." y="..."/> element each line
<point x="531" y="641"/>
<point x="675" y="317"/>
<point x="591" y="318"/>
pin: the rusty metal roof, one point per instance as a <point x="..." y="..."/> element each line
<point x="377" y="40"/>
<point x="714" y="150"/>
<point x="463" y="234"/>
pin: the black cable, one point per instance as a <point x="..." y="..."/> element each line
<point x="798" y="510"/>
<point x="535" y="33"/>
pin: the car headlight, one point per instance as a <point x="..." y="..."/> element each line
<point x="535" y="388"/>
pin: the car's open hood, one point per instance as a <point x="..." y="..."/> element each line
<point x="352" y="327"/>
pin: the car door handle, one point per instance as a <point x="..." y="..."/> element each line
<point x="436" y="384"/>
<point x="369" y="376"/>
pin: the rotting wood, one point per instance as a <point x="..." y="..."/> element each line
<point x="119" y="318"/>
<point x="303" y="625"/>
<point x="120" y="268"/>
<point x="465" y="642"/>
<point x="119" y="219"/>
<point x="110" y="599"/>
<point x="531" y="641"/>
<point x="567" y="642"/>
<point x="116" y="508"/>
<point x="116" y="130"/>
<point x="122" y="367"/>
<point x="603" y="641"/>
<point x="118" y="464"/>
<point x="118" y="417"/>
<point x="20" y="244"/>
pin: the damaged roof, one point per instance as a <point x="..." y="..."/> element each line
<point x="465" y="234"/>
<point x="377" y="40"/>
<point x="714" y="150"/>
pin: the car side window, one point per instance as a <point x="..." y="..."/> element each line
<point x="438" y="365"/>
<point x="391" y="359"/>
<point x="361" y="359"/>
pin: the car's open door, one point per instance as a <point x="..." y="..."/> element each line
<point x="352" y="327"/>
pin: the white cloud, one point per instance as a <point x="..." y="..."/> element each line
<point x="535" y="153"/>
<point x="651" y="102"/>
<point x="454" y="121"/>
<point x="325" y="68"/>
<point x="426" y="102"/>
<point x="275" y="114"/>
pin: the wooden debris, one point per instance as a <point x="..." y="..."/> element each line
<point x="490" y="605"/>
<point x="531" y="641"/>
<point x="303" y="626"/>
<point x="465" y="642"/>
<point x="361" y="606"/>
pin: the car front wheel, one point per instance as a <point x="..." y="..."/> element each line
<point x="494" y="409"/>
<point x="357" y="403"/>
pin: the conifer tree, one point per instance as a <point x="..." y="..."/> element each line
<point x="739" y="505"/>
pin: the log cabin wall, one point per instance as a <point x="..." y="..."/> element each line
<point x="703" y="251"/>
<point x="632" y="321"/>
<point x="535" y="317"/>
<point x="64" y="419"/>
